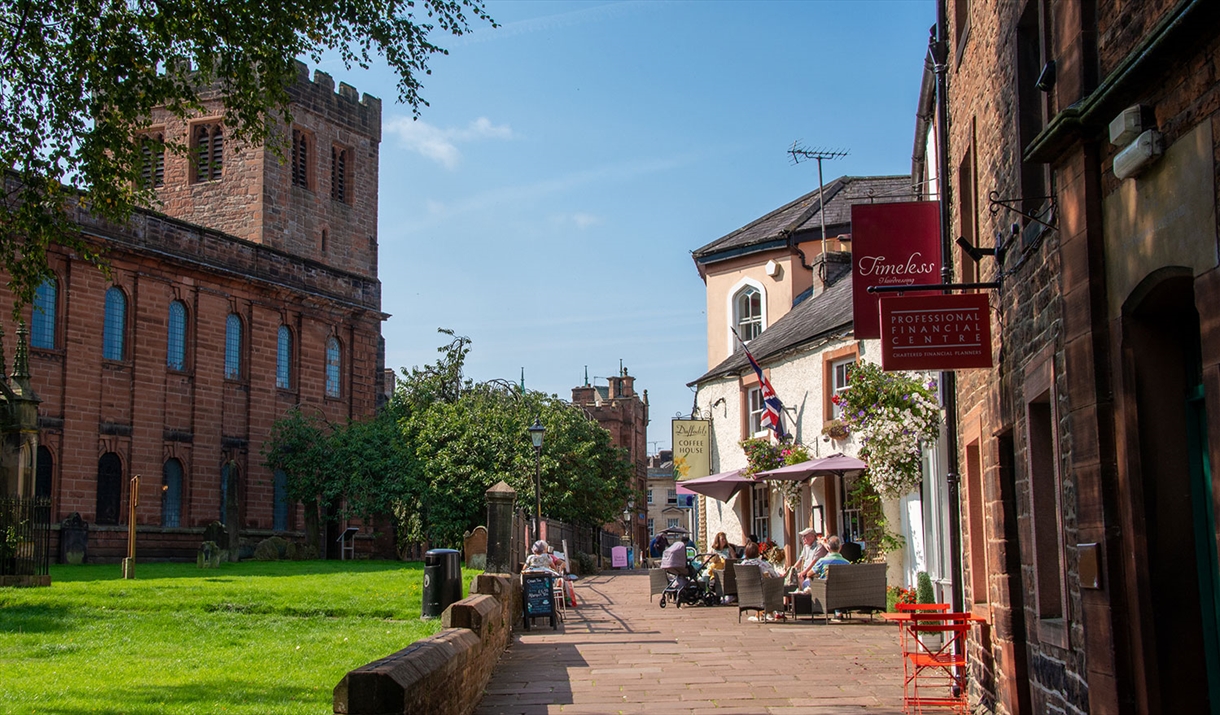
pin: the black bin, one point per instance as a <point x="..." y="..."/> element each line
<point x="442" y="581"/>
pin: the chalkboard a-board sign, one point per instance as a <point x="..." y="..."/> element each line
<point x="537" y="599"/>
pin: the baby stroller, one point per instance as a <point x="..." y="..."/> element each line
<point x="692" y="588"/>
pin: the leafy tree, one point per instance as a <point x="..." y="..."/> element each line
<point x="300" y="446"/>
<point x="428" y="459"/>
<point x="468" y="436"/>
<point x="79" y="78"/>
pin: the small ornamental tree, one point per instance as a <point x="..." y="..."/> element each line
<point x="895" y="415"/>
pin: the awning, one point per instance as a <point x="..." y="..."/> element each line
<point x="720" y="487"/>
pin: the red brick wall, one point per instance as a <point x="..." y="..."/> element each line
<point x="269" y="272"/>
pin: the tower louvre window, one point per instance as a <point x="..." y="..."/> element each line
<point x="152" y="160"/>
<point x="209" y="151"/>
<point x="340" y="163"/>
<point x="300" y="158"/>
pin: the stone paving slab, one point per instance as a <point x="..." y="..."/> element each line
<point x="620" y="653"/>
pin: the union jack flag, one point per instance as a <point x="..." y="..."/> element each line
<point x="772" y="417"/>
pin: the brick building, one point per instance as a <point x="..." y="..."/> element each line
<point x="1085" y="135"/>
<point x="252" y="290"/>
<point x="622" y="412"/>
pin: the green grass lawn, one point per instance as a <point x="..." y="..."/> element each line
<point x="257" y="638"/>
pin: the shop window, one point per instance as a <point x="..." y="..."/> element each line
<point x="760" y="512"/>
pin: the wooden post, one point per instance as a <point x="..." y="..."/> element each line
<point x="133" y="500"/>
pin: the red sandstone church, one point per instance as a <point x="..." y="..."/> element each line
<point x="253" y="288"/>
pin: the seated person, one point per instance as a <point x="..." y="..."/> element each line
<point x="752" y="559"/>
<point x="673" y="560"/>
<point x="813" y="548"/>
<point x="833" y="544"/>
<point x="722" y="548"/>
<point x="540" y="560"/>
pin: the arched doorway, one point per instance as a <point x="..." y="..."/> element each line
<point x="1171" y="498"/>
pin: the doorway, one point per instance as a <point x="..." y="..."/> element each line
<point x="1181" y="649"/>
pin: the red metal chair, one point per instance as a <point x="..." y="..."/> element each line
<point x="916" y="608"/>
<point x="934" y="662"/>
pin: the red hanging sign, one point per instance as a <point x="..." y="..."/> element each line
<point x="935" y="332"/>
<point x="892" y="245"/>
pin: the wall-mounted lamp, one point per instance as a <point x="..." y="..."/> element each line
<point x="1046" y="79"/>
<point x="976" y="254"/>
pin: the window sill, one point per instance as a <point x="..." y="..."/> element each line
<point x="1053" y="631"/>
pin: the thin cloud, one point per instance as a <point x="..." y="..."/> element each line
<point x="522" y="193"/>
<point x="441" y="145"/>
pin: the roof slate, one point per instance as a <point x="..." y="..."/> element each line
<point x="823" y="315"/>
<point x="802" y="215"/>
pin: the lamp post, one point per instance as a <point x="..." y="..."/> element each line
<point x="536" y="432"/>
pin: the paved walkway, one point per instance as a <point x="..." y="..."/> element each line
<point x="620" y="653"/>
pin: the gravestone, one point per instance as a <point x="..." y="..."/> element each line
<point x="474" y="546"/>
<point x="209" y="556"/>
<point x="73" y="540"/>
<point x="212" y="551"/>
<point x="500" y="501"/>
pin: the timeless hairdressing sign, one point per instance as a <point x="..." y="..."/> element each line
<point x="892" y="245"/>
<point x="935" y="332"/>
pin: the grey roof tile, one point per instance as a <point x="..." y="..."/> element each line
<point x="802" y="216"/>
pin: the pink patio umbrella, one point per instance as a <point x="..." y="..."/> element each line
<point x="720" y="487"/>
<point x="835" y="464"/>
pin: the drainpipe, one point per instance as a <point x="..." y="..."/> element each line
<point x="940" y="53"/>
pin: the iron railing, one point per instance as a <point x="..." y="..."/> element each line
<point x="25" y="536"/>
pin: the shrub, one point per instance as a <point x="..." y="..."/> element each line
<point x="586" y="564"/>
<point x="923" y="588"/>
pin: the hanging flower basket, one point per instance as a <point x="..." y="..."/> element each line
<point x="836" y="429"/>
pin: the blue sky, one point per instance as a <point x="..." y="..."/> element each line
<point x="546" y="203"/>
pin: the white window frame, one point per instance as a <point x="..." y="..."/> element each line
<point x="731" y="310"/>
<point x="755" y="408"/>
<point x="838" y="378"/>
<point x="760" y="511"/>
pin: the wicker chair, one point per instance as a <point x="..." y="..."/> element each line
<point x="657" y="581"/>
<point x="756" y="593"/>
<point x="847" y="587"/>
<point x="728" y="579"/>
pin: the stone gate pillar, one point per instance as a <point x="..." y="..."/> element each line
<point x="501" y="501"/>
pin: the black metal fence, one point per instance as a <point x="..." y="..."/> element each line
<point x="25" y="536"/>
<point x="594" y="541"/>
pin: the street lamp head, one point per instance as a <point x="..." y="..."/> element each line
<point x="536" y="431"/>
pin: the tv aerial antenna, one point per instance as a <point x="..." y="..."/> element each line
<point x="800" y="153"/>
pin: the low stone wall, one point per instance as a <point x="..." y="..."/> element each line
<point x="446" y="673"/>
